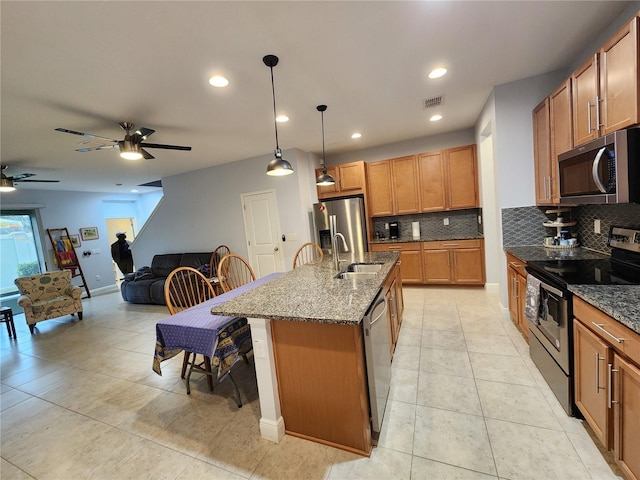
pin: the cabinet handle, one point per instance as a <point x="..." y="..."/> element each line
<point x="598" y="372"/>
<point x="600" y="326"/>
<point x="395" y="248"/>
<point x="549" y="188"/>
<point x="455" y="259"/>
<point x="611" y="371"/>
<point x="597" y="105"/>
<point x="450" y="244"/>
<point x="448" y="261"/>
<point x="589" y="116"/>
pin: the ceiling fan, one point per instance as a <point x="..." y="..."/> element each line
<point x="7" y="183"/>
<point x="131" y="148"/>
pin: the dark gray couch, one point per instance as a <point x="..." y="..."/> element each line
<point x="150" y="289"/>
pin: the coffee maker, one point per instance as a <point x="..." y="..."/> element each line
<point x="394" y="230"/>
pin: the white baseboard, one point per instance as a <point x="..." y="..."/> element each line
<point x="273" y="431"/>
<point x="492" y="287"/>
<point x="104" y="290"/>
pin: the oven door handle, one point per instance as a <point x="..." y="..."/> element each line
<point x="551" y="289"/>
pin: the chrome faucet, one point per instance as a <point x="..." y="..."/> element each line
<point x="334" y="245"/>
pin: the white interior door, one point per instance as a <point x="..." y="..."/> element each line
<point x="262" y="228"/>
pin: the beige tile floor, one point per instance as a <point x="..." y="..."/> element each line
<point x="79" y="400"/>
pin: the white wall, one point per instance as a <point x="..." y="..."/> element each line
<point x="75" y="210"/>
<point x="202" y="209"/>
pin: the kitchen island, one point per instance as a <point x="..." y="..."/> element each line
<point x="308" y="348"/>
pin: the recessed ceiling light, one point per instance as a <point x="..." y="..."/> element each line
<point x="438" y="72"/>
<point x="282" y="118"/>
<point x="134" y="191"/>
<point x="218" y="81"/>
<point x="356" y="135"/>
<point x="435" y="118"/>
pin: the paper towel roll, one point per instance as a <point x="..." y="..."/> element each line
<point x="415" y="230"/>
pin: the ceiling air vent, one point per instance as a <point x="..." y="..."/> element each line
<point x="433" y="101"/>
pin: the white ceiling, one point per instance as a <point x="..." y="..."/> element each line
<point x="88" y="65"/>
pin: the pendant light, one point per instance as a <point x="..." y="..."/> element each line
<point x="278" y="166"/>
<point x="325" y="179"/>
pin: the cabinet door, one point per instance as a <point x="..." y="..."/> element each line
<point x="432" y="182"/>
<point x="330" y="190"/>
<point x="437" y="266"/>
<point x="584" y="92"/>
<point x="522" y="302"/>
<point x="393" y="312"/>
<point x="468" y="266"/>
<point x="411" y="266"/>
<point x="462" y="179"/>
<point x="542" y="152"/>
<point x="512" y="278"/>
<point x="379" y="188"/>
<point x="626" y="403"/>
<point x="560" y="116"/>
<point x="352" y="178"/>
<point x="404" y="173"/>
<point x="619" y="79"/>
<point x="399" y="297"/>
<point x="591" y="357"/>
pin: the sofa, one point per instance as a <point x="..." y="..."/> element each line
<point x="48" y="295"/>
<point x="147" y="284"/>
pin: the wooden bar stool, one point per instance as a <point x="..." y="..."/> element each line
<point x="6" y="316"/>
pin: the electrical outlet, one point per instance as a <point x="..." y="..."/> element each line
<point x="479" y="219"/>
<point x="596" y="225"/>
<point x="97" y="278"/>
<point x="446" y="221"/>
<point x="386" y="226"/>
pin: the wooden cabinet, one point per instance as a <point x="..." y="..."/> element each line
<point x="395" y="304"/>
<point x="448" y="179"/>
<point x="349" y="177"/>
<point x="605" y="88"/>
<point x="394" y="186"/>
<point x="458" y="262"/>
<point x="410" y="259"/>
<point x="542" y="153"/>
<point x="517" y="288"/>
<point x="607" y="382"/>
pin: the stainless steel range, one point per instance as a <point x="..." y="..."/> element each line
<point x="551" y="339"/>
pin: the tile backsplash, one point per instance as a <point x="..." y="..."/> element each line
<point x="461" y="222"/>
<point x="523" y="225"/>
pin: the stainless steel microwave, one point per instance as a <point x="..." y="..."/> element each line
<point x="605" y="170"/>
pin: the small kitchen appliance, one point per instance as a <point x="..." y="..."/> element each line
<point x="394" y="230"/>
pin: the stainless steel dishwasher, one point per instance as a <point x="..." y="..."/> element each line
<point x="377" y="345"/>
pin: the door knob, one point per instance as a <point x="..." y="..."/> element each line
<point x="275" y="249"/>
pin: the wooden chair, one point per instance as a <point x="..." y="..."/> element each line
<point x="233" y="272"/>
<point x="216" y="256"/>
<point x="309" y="253"/>
<point x="184" y="288"/>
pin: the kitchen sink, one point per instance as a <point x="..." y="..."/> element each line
<point x="363" y="267"/>
<point x="357" y="275"/>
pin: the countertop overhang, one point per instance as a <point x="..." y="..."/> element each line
<point x="311" y="293"/>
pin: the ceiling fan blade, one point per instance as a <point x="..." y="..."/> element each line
<point x="166" y="147"/>
<point x="17" y="178"/>
<point x="146" y="155"/>
<point x="38" y="181"/>
<point x="82" y="134"/>
<point x="101" y="147"/>
<point x="145" y="132"/>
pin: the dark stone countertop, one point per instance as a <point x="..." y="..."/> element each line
<point x="621" y="302"/>
<point x="311" y="293"/>
<point x="429" y="238"/>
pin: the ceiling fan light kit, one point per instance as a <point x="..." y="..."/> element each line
<point x="130" y="150"/>
<point x="324" y="180"/>
<point x="278" y="166"/>
<point x="6" y="185"/>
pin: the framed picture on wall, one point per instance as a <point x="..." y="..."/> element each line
<point x="89" y="233"/>
<point x="75" y="240"/>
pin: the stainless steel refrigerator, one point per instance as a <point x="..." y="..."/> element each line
<point x="350" y="221"/>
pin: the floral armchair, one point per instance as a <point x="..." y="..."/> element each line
<point x="48" y="295"/>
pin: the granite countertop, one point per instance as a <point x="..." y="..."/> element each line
<point x="428" y="238"/>
<point x="534" y="253"/>
<point x="618" y="301"/>
<point x="311" y="293"/>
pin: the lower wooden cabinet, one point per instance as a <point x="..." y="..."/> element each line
<point x="458" y="262"/>
<point x="607" y="382"/>
<point x="410" y="259"/>
<point x="395" y="304"/>
<point x="517" y="287"/>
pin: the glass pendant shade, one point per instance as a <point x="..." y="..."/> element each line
<point x="6" y="185"/>
<point x="324" y="180"/>
<point x="277" y="167"/>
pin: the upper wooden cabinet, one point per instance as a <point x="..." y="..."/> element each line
<point x="542" y="152"/>
<point x="448" y="179"/>
<point x="605" y="88"/>
<point x="393" y="186"/>
<point x="349" y="177"/>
